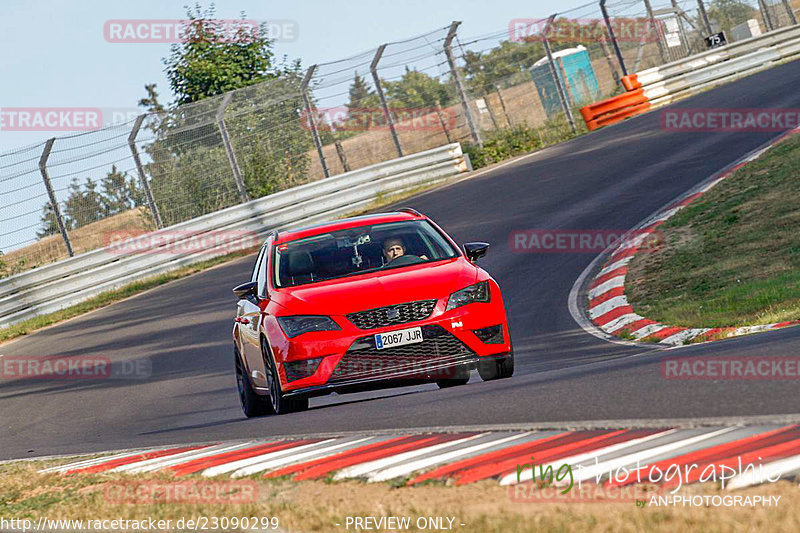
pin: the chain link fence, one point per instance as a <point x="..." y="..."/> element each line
<point x="67" y="195"/>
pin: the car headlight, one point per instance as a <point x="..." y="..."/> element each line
<point x="474" y="293"/>
<point x="297" y="325"/>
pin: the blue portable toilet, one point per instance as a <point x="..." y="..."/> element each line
<point x="581" y="84"/>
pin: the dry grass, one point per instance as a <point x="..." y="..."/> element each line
<point x="89" y="237"/>
<point x="320" y="505"/>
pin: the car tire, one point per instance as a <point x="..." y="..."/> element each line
<point x="500" y="368"/>
<point x="461" y="377"/>
<point x="252" y="403"/>
<point x="279" y="403"/>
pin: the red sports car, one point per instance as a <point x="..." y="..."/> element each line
<point x="373" y="301"/>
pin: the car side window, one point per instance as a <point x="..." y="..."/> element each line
<point x="257" y="266"/>
<point x="262" y="270"/>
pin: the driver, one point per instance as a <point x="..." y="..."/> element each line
<point x="393" y="248"/>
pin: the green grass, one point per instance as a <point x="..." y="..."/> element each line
<point x="731" y="258"/>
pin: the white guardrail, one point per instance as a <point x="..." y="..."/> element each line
<point x="667" y="83"/>
<point x="53" y="287"/>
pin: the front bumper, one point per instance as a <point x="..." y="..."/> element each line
<point x="348" y="357"/>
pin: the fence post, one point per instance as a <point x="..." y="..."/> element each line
<point x="788" y="7"/>
<point x="226" y="140"/>
<point x="142" y="178"/>
<point x="442" y="123"/>
<point x="678" y="12"/>
<point x="51" y="193"/>
<point x="342" y="156"/>
<point x="312" y="120"/>
<point x="562" y="94"/>
<point x="502" y="104"/>
<point x="701" y="7"/>
<point x="613" y="37"/>
<point x="607" y="54"/>
<point x="462" y="95"/>
<point x="373" y="68"/>
<point x="765" y="15"/>
<point x="659" y="41"/>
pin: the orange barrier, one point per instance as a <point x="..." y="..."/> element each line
<point x="631" y="82"/>
<point x="594" y="111"/>
<point x="618" y="116"/>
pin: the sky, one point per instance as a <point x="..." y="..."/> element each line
<point x="55" y="54"/>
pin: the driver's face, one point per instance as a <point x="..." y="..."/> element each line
<point x="393" y="249"/>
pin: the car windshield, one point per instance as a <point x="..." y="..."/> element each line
<point x="359" y="250"/>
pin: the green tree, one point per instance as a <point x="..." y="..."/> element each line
<point x="209" y="62"/>
<point x="84" y="204"/>
<point x="416" y="89"/>
<point x="361" y="96"/>
<point x="730" y="13"/>
<point x="189" y="170"/>
<point x="504" y="65"/>
<point x="49" y="221"/>
<point x="120" y="192"/>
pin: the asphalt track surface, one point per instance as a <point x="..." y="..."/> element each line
<point x="611" y="180"/>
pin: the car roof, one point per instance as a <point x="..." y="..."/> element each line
<point x="345" y="223"/>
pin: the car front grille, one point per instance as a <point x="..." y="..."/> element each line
<point x="438" y="354"/>
<point x="392" y="315"/>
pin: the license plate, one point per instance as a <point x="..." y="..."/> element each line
<point x="398" y="338"/>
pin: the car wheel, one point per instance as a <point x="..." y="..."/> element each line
<point x="280" y="404"/>
<point x="461" y="377"/>
<point x="501" y="368"/>
<point x="252" y="404"/>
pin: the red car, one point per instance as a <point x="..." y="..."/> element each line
<point x="367" y="302"/>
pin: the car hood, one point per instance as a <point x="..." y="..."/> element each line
<point x="378" y="289"/>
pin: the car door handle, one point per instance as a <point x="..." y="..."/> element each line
<point x="241" y="320"/>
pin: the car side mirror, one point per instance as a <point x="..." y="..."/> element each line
<point x="246" y="291"/>
<point x="475" y="250"/>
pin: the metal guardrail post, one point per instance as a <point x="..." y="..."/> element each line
<point x="765" y="15"/>
<point x="649" y="7"/>
<point x="226" y="140"/>
<point x="51" y="193"/>
<point x="373" y="68"/>
<point x="701" y="7"/>
<point x="607" y="20"/>
<point x="462" y="95"/>
<point x="312" y="123"/>
<point x="562" y="94"/>
<point x="788" y="7"/>
<point x="142" y="177"/>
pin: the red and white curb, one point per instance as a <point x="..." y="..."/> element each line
<point x="609" y="308"/>
<point x="467" y="457"/>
